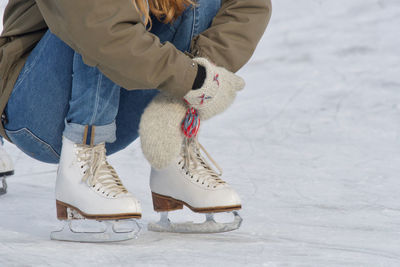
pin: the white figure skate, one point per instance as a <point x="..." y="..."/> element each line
<point x="6" y="169"/>
<point x="190" y="181"/>
<point x="88" y="187"/>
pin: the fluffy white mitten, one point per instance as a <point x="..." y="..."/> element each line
<point x="218" y="91"/>
<point x="160" y="131"/>
<point x="160" y="127"/>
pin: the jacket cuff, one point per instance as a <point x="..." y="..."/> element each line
<point x="189" y="70"/>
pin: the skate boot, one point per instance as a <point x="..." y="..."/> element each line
<point x="6" y="169"/>
<point x="88" y="187"/>
<point x="192" y="182"/>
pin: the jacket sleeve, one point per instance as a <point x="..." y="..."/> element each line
<point x="234" y="33"/>
<point x="110" y="35"/>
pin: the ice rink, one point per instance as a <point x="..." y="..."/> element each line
<point x="312" y="145"/>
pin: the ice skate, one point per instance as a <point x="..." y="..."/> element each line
<point x="88" y="188"/>
<point x="6" y="169"/>
<point x="190" y="181"/>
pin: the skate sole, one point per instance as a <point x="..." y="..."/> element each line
<point x="165" y="203"/>
<point x="62" y="213"/>
<point x="9" y="173"/>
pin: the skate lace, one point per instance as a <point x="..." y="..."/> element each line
<point x="99" y="171"/>
<point x="198" y="167"/>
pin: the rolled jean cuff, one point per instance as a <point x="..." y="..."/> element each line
<point x="90" y="134"/>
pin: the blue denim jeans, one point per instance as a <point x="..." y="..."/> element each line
<point x="56" y="94"/>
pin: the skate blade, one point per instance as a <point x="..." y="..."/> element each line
<point x="207" y="227"/>
<point x="3" y="189"/>
<point x="109" y="234"/>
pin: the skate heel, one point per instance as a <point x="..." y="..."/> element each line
<point x="62" y="213"/>
<point x="163" y="203"/>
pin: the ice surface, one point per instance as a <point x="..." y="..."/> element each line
<point x="312" y="145"/>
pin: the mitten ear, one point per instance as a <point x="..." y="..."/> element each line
<point x="238" y="83"/>
<point x="160" y="130"/>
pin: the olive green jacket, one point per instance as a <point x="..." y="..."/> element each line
<point x="110" y="35"/>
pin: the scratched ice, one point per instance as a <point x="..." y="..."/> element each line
<point x="312" y="145"/>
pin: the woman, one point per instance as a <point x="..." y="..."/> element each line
<point x="78" y="75"/>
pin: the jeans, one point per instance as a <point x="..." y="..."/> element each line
<point x="56" y="94"/>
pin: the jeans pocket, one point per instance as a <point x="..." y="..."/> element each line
<point x="32" y="145"/>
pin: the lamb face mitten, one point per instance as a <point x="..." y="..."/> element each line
<point x="217" y="92"/>
<point x="167" y="121"/>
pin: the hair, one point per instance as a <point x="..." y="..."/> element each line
<point x="165" y="11"/>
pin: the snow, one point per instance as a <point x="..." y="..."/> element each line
<point x="312" y="146"/>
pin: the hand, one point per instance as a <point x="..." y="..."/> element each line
<point x="218" y="91"/>
<point x="160" y="127"/>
